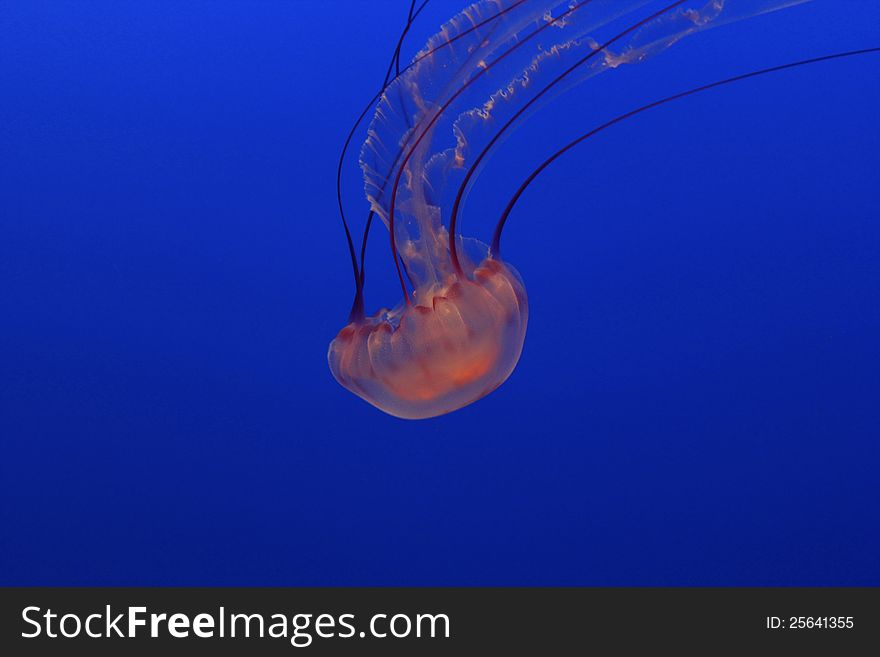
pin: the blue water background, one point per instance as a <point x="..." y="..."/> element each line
<point x="698" y="402"/>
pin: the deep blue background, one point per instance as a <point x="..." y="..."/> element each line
<point x="698" y="401"/>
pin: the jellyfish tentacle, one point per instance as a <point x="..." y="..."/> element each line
<point x="423" y="173"/>
<point x="396" y="59"/>
<point x="357" y="309"/>
<point x="496" y="238"/>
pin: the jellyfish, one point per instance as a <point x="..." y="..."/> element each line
<point x="460" y="328"/>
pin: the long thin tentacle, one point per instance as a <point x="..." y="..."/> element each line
<point x="496" y="239"/>
<point x="357" y="309"/>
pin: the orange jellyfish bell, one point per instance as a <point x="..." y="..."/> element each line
<point x="457" y="342"/>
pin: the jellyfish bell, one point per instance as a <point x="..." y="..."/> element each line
<point x="457" y="341"/>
